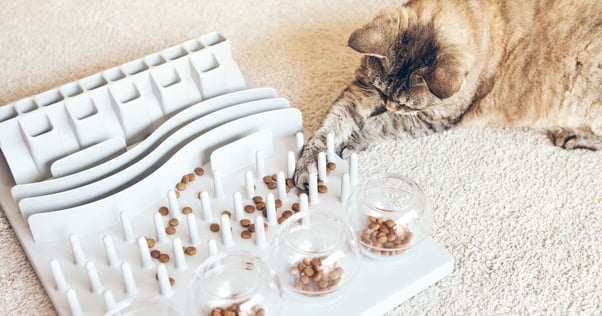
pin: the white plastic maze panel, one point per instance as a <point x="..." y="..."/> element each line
<point x="121" y="184"/>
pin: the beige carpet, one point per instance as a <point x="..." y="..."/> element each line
<point x="522" y="219"/>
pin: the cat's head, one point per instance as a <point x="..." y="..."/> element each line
<point x="408" y="59"/>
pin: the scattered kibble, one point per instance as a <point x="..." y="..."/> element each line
<point x="214" y="227"/>
<point x="185" y="179"/>
<point x="227" y="213"/>
<point x="281" y="219"/>
<point x="163" y="210"/>
<point x="290" y="182"/>
<point x="249" y="208"/>
<point x="267" y="179"/>
<point x="150" y="242"/>
<point x="245" y="234"/>
<point x="186" y="210"/>
<point x="163" y="258"/>
<point x="322" y="188"/>
<point x="191" y="177"/>
<point x="260" y="206"/>
<point x="257" y="199"/>
<point x="181" y="186"/>
<point x="172" y="281"/>
<point x="278" y="203"/>
<point x="245" y="222"/>
<point x="177" y="194"/>
<point x="295" y="207"/>
<point x="287" y="213"/>
<point x="155" y="254"/>
<point x="170" y="230"/>
<point x="331" y="166"/>
<point x="173" y="222"/>
<point x="272" y="185"/>
<point x="191" y="251"/>
<point x="199" y="171"/>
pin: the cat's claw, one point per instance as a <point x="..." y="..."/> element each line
<point x="302" y="170"/>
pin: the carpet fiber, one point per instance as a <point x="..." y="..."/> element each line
<point x="522" y="219"/>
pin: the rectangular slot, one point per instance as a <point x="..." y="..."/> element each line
<point x="154" y="60"/>
<point x="114" y="74"/>
<point x="7" y="112"/>
<point x="81" y="109"/>
<point x="126" y="92"/>
<point x="71" y="89"/>
<point x="174" y="52"/>
<point x="193" y="46"/>
<point x="37" y="125"/>
<point x="212" y="39"/>
<point x="93" y="82"/>
<point x="26" y="105"/>
<point x="166" y="77"/>
<point x="134" y="67"/>
<point x="205" y="62"/>
<point x="49" y="97"/>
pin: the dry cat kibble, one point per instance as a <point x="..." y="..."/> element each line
<point x="191" y="177"/>
<point x="245" y="222"/>
<point x="164" y="258"/>
<point x="272" y="185"/>
<point x="260" y="206"/>
<point x="227" y="213"/>
<point x="257" y="199"/>
<point x="331" y="166"/>
<point x="295" y="207"/>
<point x="181" y="186"/>
<point x="185" y="179"/>
<point x="191" y="251"/>
<point x="236" y="310"/>
<point x="214" y="227"/>
<point x="249" y="208"/>
<point x="278" y="203"/>
<point x="163" y="210"/>
<point x="267" y="179"/>
<point x="186" y="210"/>
<point x="199" y="171"/>
<point x="177" y="194"/>
<point x="173" y="222"/>
<point x="150" y="242"/>
<point x="155" y="254"/>
<point x="314" y="278"/>
<point x="322" y="188"/>
<point x="170" y="230"/>
<point x="385" y="237"/>
<point x="245" y="234"/>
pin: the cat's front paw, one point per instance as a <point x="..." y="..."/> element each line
<point x="305" y="165"/>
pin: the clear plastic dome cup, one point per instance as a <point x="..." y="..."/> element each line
<point x="144" y="306"/>
<point x="316" y="256"/>
<point x="390" y="216"/>
<point x="234" y="283"/>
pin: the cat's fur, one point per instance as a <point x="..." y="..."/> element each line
<point x="430" y="65"/>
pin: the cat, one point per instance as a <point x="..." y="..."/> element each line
<point x="430" y="65"/>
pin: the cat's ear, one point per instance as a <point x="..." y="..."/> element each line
<point x="371" y="39"/>
<point x="444" y="82"/>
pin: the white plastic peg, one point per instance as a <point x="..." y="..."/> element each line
<point x="353" y="177"/>
<point x="59" y="276"/>
<point x="300" y="142"/>
<point x="345" y="187"/>
<point x="112" y="258"/>
<point x="78" y="254"/>
<point x="74" y="305"/>
<point x="260" y="239"/>
<point x="290" y="164"/>
<point x="259" y="164"/>
<point x="249" y="184"/>
<point x="159" y="229"/>
<point x="109" y="299"/>
<point x="164" y="284"/>
<point x="206" y="206"/>
<point x="226" y="231"/>
<point x="303" y="203"/>
<point x="218" y="185"/>
<point x="322" y="167"/>
<point x="128" y="279"/>
<point x="238" y="208"/>
<point x="270" y="207"/>
<point x="95" y="284"/>
<point x="330" y="155"/>
<point x="179" y="253"/>
<point x="193" y="231"/>
<point x="145" y="258"/>
<point x="281" y="185"/>
<point x="313" y="188"/>
<point x="212" y="247"/>
<point x="126" y="227"/>
<point x="174" y="206"/>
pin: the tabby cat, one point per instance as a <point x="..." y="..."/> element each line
<point x="430" y="65"/>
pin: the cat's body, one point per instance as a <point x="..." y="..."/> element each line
<point x="431" y="65"/>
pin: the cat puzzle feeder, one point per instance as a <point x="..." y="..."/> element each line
<point x="87" y="166"/>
